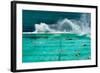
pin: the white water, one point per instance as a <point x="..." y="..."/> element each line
<point x="80" y="27"/>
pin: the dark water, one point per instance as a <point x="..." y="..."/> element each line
<point x="32" y="17"/>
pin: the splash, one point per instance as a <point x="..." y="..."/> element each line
<point x="65" y="25"/>
<point x="43" y="27"/>
<point x="80" y="27"/>
<point x="68" y="26"/>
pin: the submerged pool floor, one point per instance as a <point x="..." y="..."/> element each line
<point x="55" y="47"/>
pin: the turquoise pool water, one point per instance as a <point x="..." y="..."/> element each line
<point x="55" y="47"/>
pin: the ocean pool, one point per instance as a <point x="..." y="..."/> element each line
<point x="48" y="47"/>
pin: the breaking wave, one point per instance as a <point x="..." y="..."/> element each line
<point x="80" y="27"/>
